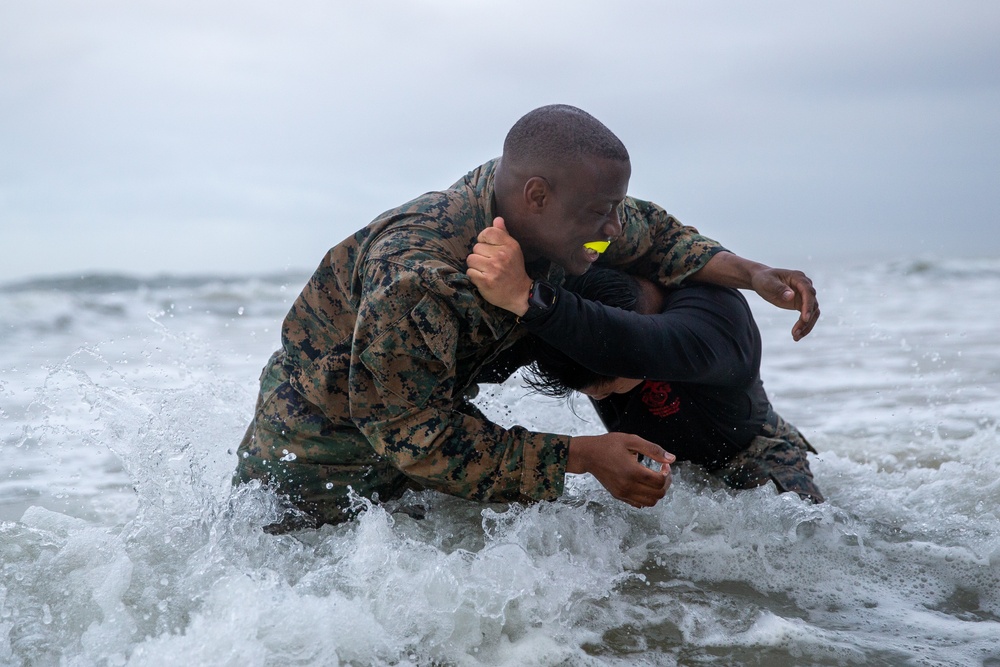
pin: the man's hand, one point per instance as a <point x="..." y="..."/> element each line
<point x="782" y="287"/>
<point x="613" y="460"/>
<point x="792" y="290"/>
<point x="496" y="268"/>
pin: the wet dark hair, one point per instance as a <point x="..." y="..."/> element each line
<point x="559" y="132"/>
<point x="553" y="373"/>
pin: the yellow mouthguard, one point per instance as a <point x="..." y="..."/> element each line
<point x="597" y="246"/>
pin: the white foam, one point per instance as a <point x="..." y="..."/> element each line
<point x="120" y="543"/>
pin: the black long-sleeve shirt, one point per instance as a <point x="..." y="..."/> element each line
<point x="702" y="399"/>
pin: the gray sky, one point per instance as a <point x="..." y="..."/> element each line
<point x="242" y="137"/>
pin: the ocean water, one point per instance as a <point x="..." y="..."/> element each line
<point x="122" y="401"/>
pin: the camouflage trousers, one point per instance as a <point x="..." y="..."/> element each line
<point x="779" y="455"/>
<point x="291" y="447"/>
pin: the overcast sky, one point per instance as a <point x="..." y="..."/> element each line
<point x="243" y="137"/>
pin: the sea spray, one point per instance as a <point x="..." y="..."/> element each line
<point x="122" y="542"/>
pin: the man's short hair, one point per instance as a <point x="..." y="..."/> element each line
<point x="553" y="134"/>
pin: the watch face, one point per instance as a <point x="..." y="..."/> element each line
<point x="543" y="295"/>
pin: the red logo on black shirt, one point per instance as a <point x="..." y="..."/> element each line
<point x="656" y="396"/>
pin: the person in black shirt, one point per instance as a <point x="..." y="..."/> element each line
<point x="699" y="396"/>
<point x="682" y="372"/>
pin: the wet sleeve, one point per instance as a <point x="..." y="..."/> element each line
<point x="402" y="387"/>
<point x="507" y="362"/>
<point x="704" y="337"/>
<point x="655" y="245"/>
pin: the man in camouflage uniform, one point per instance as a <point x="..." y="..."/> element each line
<point x="379" y="349"/>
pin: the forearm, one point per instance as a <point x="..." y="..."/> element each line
<point x="468" y="457"/>
<point x="729" y="270"/>
<point x="699" y="340"/>
<point x="784" y="288"/>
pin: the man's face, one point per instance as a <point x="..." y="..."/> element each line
<point x="582" y="205"/>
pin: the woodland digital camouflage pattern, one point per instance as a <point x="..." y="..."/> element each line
<point x="386" y="338"/>
<point x="779" y="455"/>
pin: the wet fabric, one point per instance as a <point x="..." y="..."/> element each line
<point x="779" y="455"/>
<point x="383" y="342"/>
<point x="704" y="400"/>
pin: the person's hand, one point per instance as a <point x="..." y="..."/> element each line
<point x="613" y="459"/>
<point x="496" y="268"/>
<point x="792" y="290"/>
<point x="784" y="288"/>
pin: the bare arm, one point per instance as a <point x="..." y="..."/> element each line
<point x="785" y="288"/>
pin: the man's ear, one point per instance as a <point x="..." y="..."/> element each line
<point x="536" y="193"/>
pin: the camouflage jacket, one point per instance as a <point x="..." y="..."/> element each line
<point x="389" y="332"/>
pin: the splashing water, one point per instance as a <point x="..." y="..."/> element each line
<point x="122" y="401"/>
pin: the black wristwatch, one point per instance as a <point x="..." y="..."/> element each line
<point x="541" y="297"/>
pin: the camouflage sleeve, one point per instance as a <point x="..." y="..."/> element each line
<point x="655" y="244"/>
<point x="402" y="383"/>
